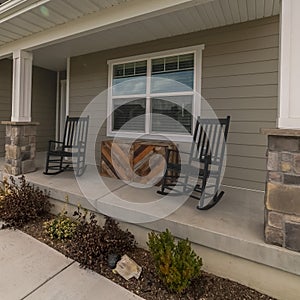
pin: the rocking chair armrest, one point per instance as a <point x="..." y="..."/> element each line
<point x="52" y="144"/>
<point x="177" y="152"/>
<point x="55" y="142"/>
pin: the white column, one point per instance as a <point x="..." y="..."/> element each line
<point x="289" y="84"/>
<point x="21" y="90"/>
<point x="68" y="86"/>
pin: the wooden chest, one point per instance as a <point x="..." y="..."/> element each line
<point x="141" y="161"/>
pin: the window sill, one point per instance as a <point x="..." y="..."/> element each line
<point x="151" y="137"/>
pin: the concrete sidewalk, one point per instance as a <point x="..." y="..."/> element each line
<point x="31" y="270"/>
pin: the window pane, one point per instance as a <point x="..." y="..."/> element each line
<point x="141" y="67"/>
<point x="178" y="108"/>
<point x="158" y="65"/>
<point x="129" y="86"/>
<point x="129" y="78"/>
<point x="186" y="61"/>
<point x="173" y="74"/>
<point x="118" y="70"/>
<point x="129" y="114"/>
<point x="129" y="69"/>
<point x="172" y="63"/>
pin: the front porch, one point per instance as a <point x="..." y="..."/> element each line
<point x="246" y="61"/>
<point x="229" y="237"/>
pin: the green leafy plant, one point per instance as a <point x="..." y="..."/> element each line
<point x="176" y="264"/>
<point x="61" y="227"/>
<point x="4" y="189"/>
<point x="22" y="202"/>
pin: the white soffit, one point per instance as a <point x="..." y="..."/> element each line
<point x="19" y="18"/>
<point x="191" y="18"/>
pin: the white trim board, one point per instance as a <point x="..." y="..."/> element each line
<point x="289" y="65"/>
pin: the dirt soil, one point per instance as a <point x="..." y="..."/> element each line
<point x="148" y="286"/>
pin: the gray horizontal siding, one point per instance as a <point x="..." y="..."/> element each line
<point x="5" y="98"/>
<point x="250" y="44"/>
<point x="239" y="78"/>
<point x="241" y="57"/>
<point x="260" y="67"/>
<point x="256" y="79"/>
<point x="43" y="105"/>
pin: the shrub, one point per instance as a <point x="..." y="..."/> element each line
<point x="176" y="264"/>
<point x="86" y="242"/>
<point x="61" y="227"/>
<point x="91" y="244"/>
<point x="116" y="240"/>
<point x="22" y="202"/>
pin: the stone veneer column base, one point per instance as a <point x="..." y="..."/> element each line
<point x="20" y="147"/>
<point x="282" y="199"/>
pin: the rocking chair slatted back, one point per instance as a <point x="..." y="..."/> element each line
<point x="74" y="132"/>
<point x="209" y="139"/>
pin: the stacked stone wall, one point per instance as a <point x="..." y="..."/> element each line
<point x="20" y="148"/>
<point x="282" y="200"/>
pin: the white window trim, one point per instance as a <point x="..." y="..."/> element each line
<point x="197" y="50"/>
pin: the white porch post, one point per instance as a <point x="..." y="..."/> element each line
<point x="20" y="140"/>
<point x="21" y="91"/>
<point x="282" y="202"/>
<point x="289" y="87"/>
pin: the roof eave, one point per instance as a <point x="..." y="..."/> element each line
<point x="13" y="8"/>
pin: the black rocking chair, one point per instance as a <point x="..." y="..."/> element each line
<point x="201" y="174"/>
<point x="71" y="151"/>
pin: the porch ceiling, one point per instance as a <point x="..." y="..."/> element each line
<point x="47" y="15"/>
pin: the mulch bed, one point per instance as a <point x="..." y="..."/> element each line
<point x="148" y="286"/>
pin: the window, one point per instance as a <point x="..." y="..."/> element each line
<point x="155" y="94"/>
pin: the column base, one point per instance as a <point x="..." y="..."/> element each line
<point x="20" y="147"/>
<point x="282" y="201"/>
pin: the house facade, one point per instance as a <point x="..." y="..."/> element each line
<point x="236" y="69"/>
<point x="241" y="56"/>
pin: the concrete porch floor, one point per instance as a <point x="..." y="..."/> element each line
<point x="229" y="237"/>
